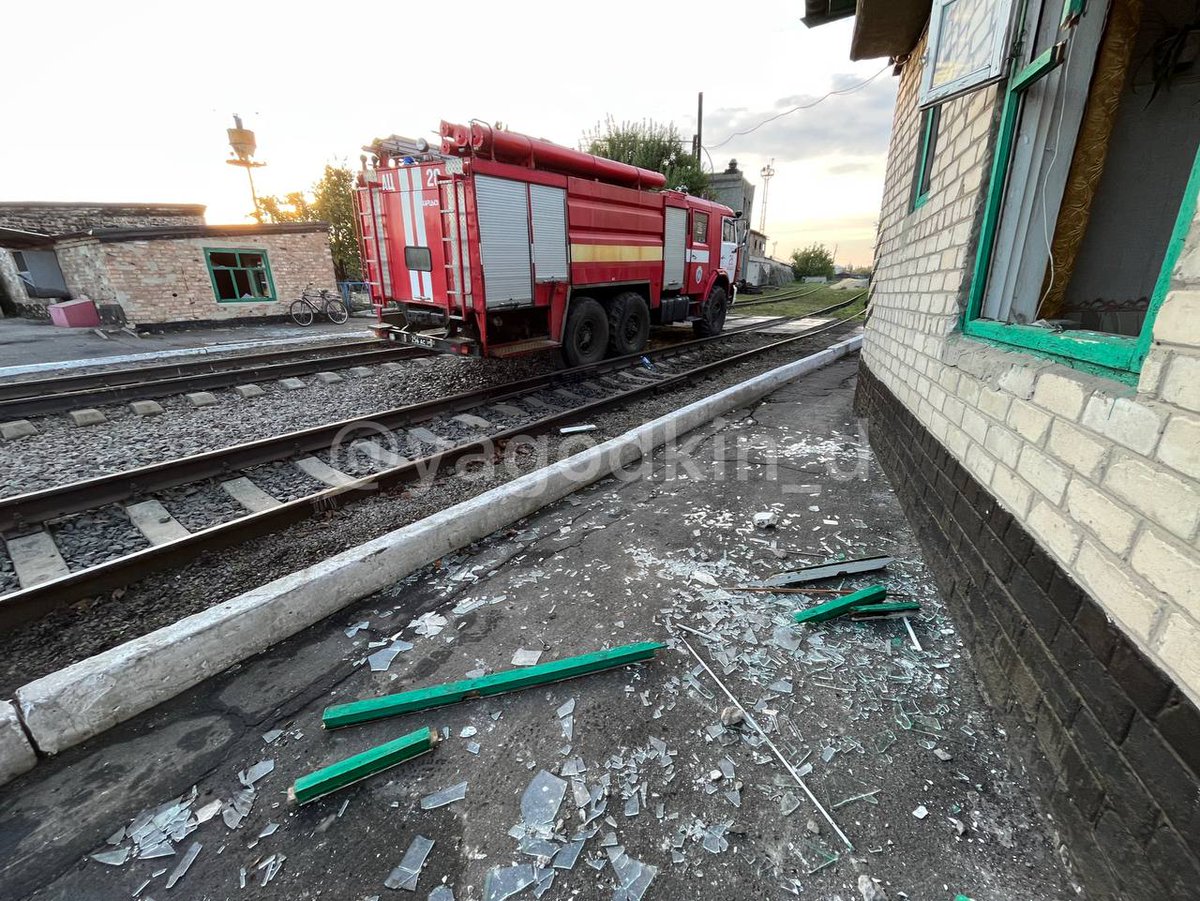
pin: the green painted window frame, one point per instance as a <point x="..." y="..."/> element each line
<point x="1118" y="357"/>
<point x="214" y="268"/>
<point x="931" y="120"/>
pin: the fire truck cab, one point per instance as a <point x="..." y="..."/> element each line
<point x="499" y="244"/>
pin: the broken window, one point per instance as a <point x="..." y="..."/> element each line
<point x="930" y="120"/>
<point x="1098" y="140"/>
<point x="968" y="43"/>
<point x="240" y="275"/>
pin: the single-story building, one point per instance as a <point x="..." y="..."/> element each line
<point x="1031" y="377"/>
<point x="144" y="264"/>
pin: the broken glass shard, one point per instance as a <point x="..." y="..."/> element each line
<point x="268" y="829"/>
<point x="162" y="849"/>
<point x="568" y="727"/>
<point x="545" y="879"/>
<point x="116" y="838"/>
<point x="354" y="629"/>
<point x="441" y="893"/>
<point x="473" y="747"/>
<point x="524" y="657"/>
<point x="566" y="708"/>
<point x="504" y="882"/>
<point x="633" y="876"/>
<point x="788" y="804"/>
<point x="573" y="767"/>
<point x="408" y="871"/>
<point x="540" y="803"/>
<point x="382" y="659"/>
<point x="112" y="858"/>
<point x="444" y="797"/>
<point x="632" y="805"/>
<point x="181" y="868"/>
<point x="256" y="772"/>
<point x="272" y="736"/>
<point x="567" y="855"/>
<point x="726" y="766"/>
<point x="467" y="732"/>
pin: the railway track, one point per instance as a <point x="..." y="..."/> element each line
<point x="39" y="397"/>
<point x="269" y="484"/>
<point x="784" y="297"/>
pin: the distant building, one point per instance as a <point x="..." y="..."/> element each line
<point x="143" y="264"/>
<point x="732" y="189"/>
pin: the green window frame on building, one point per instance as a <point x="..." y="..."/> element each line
<point x="930" y="122"/>
<point x="240" y="274"/>
<point x="1119" y="357"/>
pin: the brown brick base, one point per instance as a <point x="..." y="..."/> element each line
<point x="1113" y="745"/>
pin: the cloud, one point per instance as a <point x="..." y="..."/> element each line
<point x="849" y="168"/>
<point x="855" y="124"/>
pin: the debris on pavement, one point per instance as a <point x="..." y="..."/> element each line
<point x="408" y="871"/>
<point x="374" y="760"/>
<point x="576" y="429"/>
<point x="768" y="519"/>
<point x="830" y="569"/>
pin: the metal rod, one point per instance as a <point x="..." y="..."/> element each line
<point x="912" y="634"/>
<point x="757" y="728"/>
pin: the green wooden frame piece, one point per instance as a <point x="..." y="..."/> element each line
<point x="1183" y="224"/>
<point x="885" y="609"/>
<point x="338" y="775"/>
<point x="212" y="277"/>
<point x="499" y="683"/>
<point x="841" y="606"/>
<point x="929" y="126"/>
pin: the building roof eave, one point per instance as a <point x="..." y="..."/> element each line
<point x="882" y="28"/>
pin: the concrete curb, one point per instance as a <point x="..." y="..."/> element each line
<point x="88" y="697"/>
<point x="16" y="753"/>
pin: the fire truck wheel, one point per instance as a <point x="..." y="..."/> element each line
<point x="586" y="338"/>
<point x="712" y="313"/>
<point x="628" y="324"/>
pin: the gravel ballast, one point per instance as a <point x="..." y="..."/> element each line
<point x="84" y="629"/>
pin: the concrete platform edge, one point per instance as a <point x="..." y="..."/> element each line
<point x="16" y="753"/>
<point x="76" y="703"/>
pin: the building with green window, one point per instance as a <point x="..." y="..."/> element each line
<point x="144" y="264"/>
<point x="1031" y="375"/>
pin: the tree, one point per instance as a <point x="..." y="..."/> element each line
<point x="649" y="145"/>
<point x="293" y="207"/>
<point x="332" y="202"/>
<point x="815" y="259"/>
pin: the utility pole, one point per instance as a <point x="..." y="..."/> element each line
<point x="767" y="173"/>
<point x="243" y="144"/>
<point x="698" y="141"/>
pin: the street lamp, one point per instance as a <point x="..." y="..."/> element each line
<point x="243" y="144"/>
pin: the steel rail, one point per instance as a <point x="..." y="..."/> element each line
<point x="31" y="603"/>
<point x="769" y="300"/>
<point x="105" y="378"/>
<point x="35" y="507"/>
<point x="50" y="401"/>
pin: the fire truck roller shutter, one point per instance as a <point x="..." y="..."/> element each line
<point x="503" y="209"/>
<point x="549" y="208"/>
<point x="673" y="249"/>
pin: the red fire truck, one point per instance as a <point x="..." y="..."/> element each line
<point x="499" y="244"/>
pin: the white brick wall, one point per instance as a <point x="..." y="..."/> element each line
<point x="1105" y="476"/>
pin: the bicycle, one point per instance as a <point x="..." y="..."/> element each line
<point x="304" y="310"/>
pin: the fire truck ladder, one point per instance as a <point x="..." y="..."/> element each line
<point x="452" y="241"/>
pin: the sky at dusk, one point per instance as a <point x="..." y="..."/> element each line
<point x="130" y="101"/>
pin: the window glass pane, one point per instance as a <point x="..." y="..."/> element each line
<point x="965" y="40"/>
<point x="241" y="280"/>
<point x="251" y="260"/>
<point x="418" y="259"/>
<point x="699" y="228"/>
<point x="224" y="282"/>
<point x="968" y="40"/>
<point x="223" y="259"/>
<point x="259" y="278"/>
